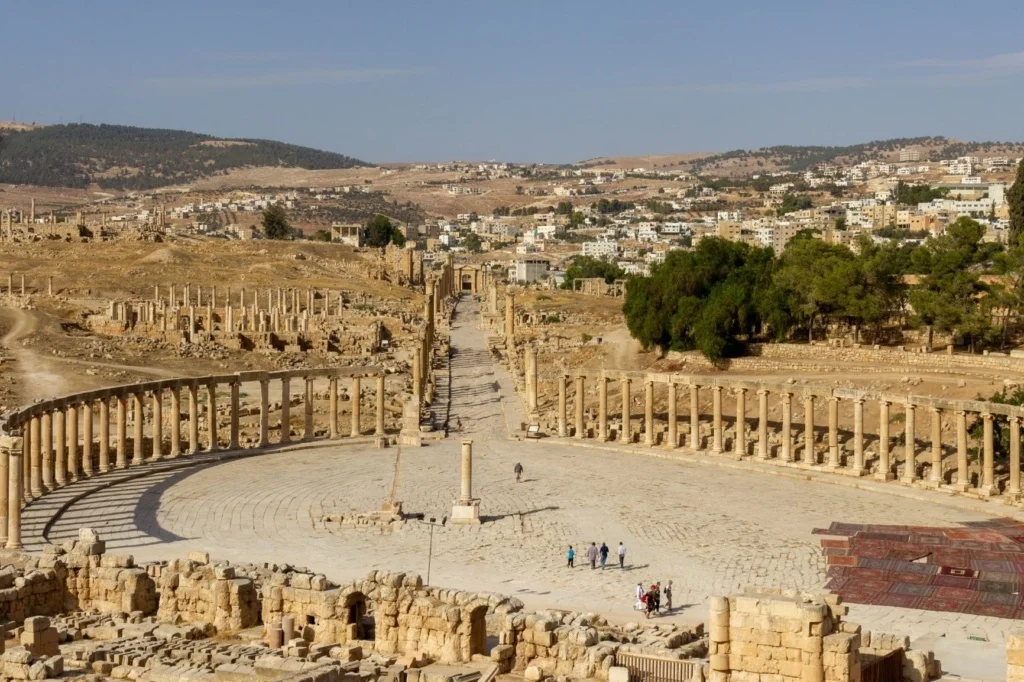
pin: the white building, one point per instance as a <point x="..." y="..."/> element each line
<point x="531" y="269"/>
<point x="602" y="249"/>
<point x="910" y="154"/>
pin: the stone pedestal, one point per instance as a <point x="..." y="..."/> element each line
<point x="466" y="510"/>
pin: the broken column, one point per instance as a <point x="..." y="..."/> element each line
<point x="466" y="509"/>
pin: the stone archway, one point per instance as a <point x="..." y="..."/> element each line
<point x="478" y="641"/>
<point x="359" y="617"/>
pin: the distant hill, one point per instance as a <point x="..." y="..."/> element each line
<point x="127" y="158"/>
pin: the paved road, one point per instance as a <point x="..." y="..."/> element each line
<point x="711" y="530"/>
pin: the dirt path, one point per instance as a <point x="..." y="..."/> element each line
<point x="37" y="379"/>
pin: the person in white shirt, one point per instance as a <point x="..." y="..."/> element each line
<point x="622" y="555"/>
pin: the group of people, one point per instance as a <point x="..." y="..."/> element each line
<point x="595" y="553"/>
<point x="649" y="601"/>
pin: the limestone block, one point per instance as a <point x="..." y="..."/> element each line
<point x="199" y="557"/>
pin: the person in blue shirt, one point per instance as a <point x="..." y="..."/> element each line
<point x="571" y="556"/>
<point x="604" y="555"/>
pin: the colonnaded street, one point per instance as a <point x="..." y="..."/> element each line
<point x="710" y="529"/>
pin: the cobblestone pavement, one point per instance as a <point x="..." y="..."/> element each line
<point x="711" y="530"/>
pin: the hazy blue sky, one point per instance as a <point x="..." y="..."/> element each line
<point x="522" y="80"/>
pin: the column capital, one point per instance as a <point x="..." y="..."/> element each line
<point x="936" y="410"/>
<point x="884" y="402"/>
<point x="717" y="388"/>
<point x="960" y="413"/>
<point x="763" y="391"/>
<point x="833" y="399"/>
<point x="987" y="416"/>
<point x="859" y="400"/>
<point x="740" y="389"/>
<point x="1013" y="419"/>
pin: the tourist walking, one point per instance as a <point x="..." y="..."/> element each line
<point x="650" y="601"/>
<point x="571" y="556"/>
<point x="592" y="555"/>
<point x="518" y="469"/>
<point x="604" y="555"/>
<point x="622" y="555"/>
<point x="639" y="606"/>
<point x="668" y="597"/>
<point x="657" y="597"/>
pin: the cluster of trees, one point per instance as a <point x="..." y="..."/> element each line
<point x="380" y="232"/>
<point x="76" y="155"/>
<point x="912" y="195"/>
<point x="585" y="267"/>
<point x="793" y="202"/>
<point x="723" y="294"/>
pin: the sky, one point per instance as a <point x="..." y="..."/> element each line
<point x="532" y="81"/>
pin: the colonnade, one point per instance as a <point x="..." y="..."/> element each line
<point x="56" y="442"/>
<point x="839" y="446"/>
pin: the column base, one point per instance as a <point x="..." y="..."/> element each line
<point x="885" y="476"/>
<point x="959" y="487"/>
<point x="859" y="472"/>
<point x="987" y="490"/>
<point x="13" y="545"/>
<point x="465" y="514"/>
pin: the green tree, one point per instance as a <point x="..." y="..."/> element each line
<point x="563" y="208"/>
<point x="275" y="223"/>
<point x="472" y="242"/>
<point x="380" y="232"/>
<point x="586" y="267"/>
<point x="793" y="202"/>
<point x="576" y="219"/>
<point x="321" y="236"/>
<point x="1015" y="197"/>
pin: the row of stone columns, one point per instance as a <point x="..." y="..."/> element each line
<point x="787" y="452"/>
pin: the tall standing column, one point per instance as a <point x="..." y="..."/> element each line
<point x="563" y="418"/>
<point x="72" y="419"/>
<point x="357" y="388"/>
<point x="602" y="409"/>
<point x="988" y="461"/>
<point x="858" y="435"/>
<point x="673" y="417"/>
<point x="1014" y="487"/>
<point x="158" y="424"/>
<point x="762" y="424"/>
<point x="626" y="436"/>
<point x="648" y="412"/>
<point x="14" y="495"/>
<point x="379" y="430"/>
<point x="236" y="408"/>
<point x="176" y="421"/>
<point x="833" y="432"/>
<point x="35" y="455"/>
<point x="87" y="438"/>
<point x="810" y="456"/>
<point x="137" y="456"/>
<point x="193" y="419"/>
<point x="716" y="420"/>
<point x="46" y="450"/>
<point x="104" y="434"/>
<point x="264" y="412"/>
<point x="211" y="415"/>
<point x="883" y="442"/>
<point x="5" y="491"/>
<point x="466" y="479"/>
<point x="962" y="477"/>
<point x="531" y="379"/>
<point x="936" y="475"/>
<point x="286" y="409"/>
<point x="580" y="395"/>
<point x="787" y="426"/>
<point x="909" y="444"/>
<point x="332" y="395"/>
<point x="694" y="416"/>
<point x="740" y="446"/>
<point x="122" y="431"/>
<point x="60" y="462"/>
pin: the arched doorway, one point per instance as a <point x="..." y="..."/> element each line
<point x="360" y="619"/>
<point x="467" y="282"/>
<point x="478" y="640"/>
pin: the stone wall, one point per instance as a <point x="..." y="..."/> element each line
<point x="1015" y="655"/>
<point x="191" y="591"/>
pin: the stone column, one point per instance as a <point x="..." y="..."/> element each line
<point x="14" y="495"/>
<point x="910" y="444"/>
<point x="158" y="424"/>
<point x="740" y="446"/>
<point x="602" y="409"/>
<point x="626" y="436"/>
<point x="648" y="412"/>
<point x="787" y="426"/>
<point x="810" y="456"/>
<point x="833" y="433"/>
<point x="936" y="475"/>
<point x="35" y="455"/>
<point x="379" y="430"/>
<point x="563" y="417"/>
<point x="962" y="478"/>
<point x="264" y="412"/>
<point x="193" y="419"/>
<point x="673" y="417"/>
<point x="60" y="462"/>
<point x="72" y="424"/>
<point x="46" y="452"/>
<point x="286" y="409"/>
<point x="531" y="380"/>
<point x="356" y="411"/>
<point x="87" y="438"/>
<point x="211" y="415"/>
<point x="883" y="442"/>
<point x="175" y="422"/>
<point x="235" y="410"/>
<point x="137" y="457"/>
<point x="716" y="420"/>
<point x="104" y="434"/>
<point x="988" y="462"/>
<point x="466" y="478"/>
<point x="1014" y="487"/>
<point x="332" y="395"/>
<point x="858" y="435"/>
<point x="762" y="424"/>
<point x="580" y="396"/>
<point x="5" y="488"/>
<point x="122" y="432"/>
<point x="26" y="464"/>
<point x="694" y="416"/>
